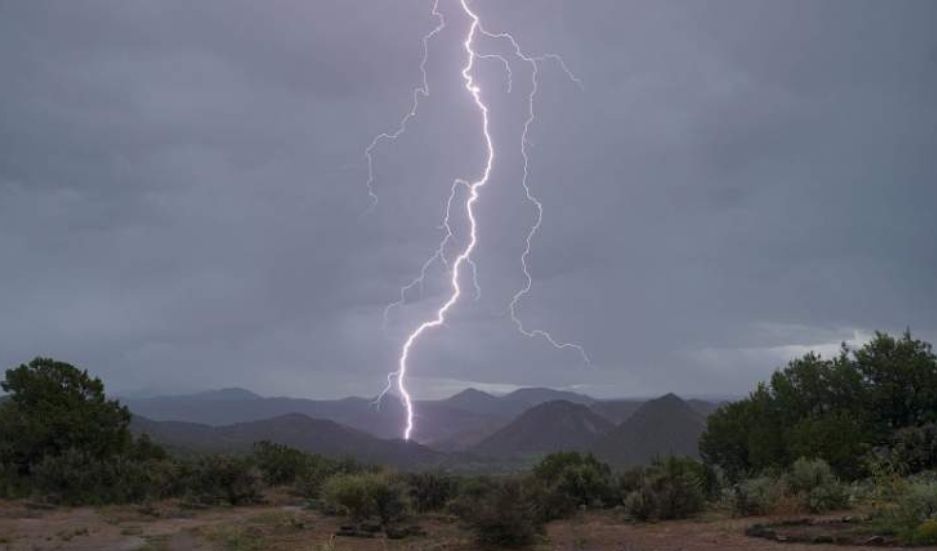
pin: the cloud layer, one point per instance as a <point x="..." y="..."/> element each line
<point x="182" y="190"/>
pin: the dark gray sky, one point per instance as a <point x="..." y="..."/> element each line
<point x="182" y="189"/>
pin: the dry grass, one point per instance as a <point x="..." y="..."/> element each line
<point x="290" y="528"/>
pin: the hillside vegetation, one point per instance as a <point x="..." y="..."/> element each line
<point x="851" y="432"/>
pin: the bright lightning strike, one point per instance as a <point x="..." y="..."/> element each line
<point x="472" y="189"/>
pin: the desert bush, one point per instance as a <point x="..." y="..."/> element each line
<point x="913" y="449"/>
<point x="317" y="470"/>
<point x="640" y="504"/>
<point x="678" y="487"/>
<point x="365" y="495"/>
<point x="469" y="491"/>
<point x="918" y="503"/>
<point x="76" y="477"/>
<point x="807" y="474"/>
<point x="630" y="480"/>
<point x="431" y="491"/>
<point x="219" y="479"/>
<point x="924" y="534"/>
<point x="280" y="464"/>
<point x="828" y="497"/>
<point x="757" y="496"/>
<point x="913" y="515"/>
<point x="390" y="499"/>
<point x="809" y="485"/>
<point x="507" y="515"/>
<point x="670" y="488"/>
<point x="813" y="483"/>
<point x="573" y="480"/>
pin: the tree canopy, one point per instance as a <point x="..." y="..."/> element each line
<point x="54" y="407"/>
<point x="837" y="409"/>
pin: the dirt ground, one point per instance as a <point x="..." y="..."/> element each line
<point x="283" y="527"/>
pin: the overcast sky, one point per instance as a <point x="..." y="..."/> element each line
<point x="183" y="200"/>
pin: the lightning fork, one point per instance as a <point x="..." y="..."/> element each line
<point x="420" y="91"/>
<point x="397" y="378"/>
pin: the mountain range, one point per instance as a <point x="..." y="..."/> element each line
<point x="469" y="426"/>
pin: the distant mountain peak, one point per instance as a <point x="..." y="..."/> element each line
<point x="230" y="393"/>
<point x="471" y="393"/>
<point x="663" y="426"/>
<point x="551" y="426"/>
<point x="538" y="395"/>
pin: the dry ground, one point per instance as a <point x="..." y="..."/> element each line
<point x="282" y="527"/>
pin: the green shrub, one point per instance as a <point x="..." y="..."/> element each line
<point x="828" y="497"/>
<point x="431" y="491"/>
<point x="757" y="496"/>
<point x="640" y="504"/>
<point x="77" y="478"/>
<point x="678" y="487"/>
<point x="925" y="533"/>
<point x="508" y="515"/>
<point x="390" y="499"/>
<point x="365" y="495"/>
<point x="573" y="480"/>
<point x="918" y="503"/>
<point x="913" y="449"/>
<point x="469" y="491"/>
<point x="279" y="464"/>
<point x="219" y="479"/>
<point x="812" y="482"/>
<point x="809" y="485"/>
<point x="670" y="488"/>
<point x="630" y="480"/>
<point x="807" y="474"/>
<point x="913" y="515"/>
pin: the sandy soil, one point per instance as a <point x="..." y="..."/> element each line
<point x="281" y="527"/>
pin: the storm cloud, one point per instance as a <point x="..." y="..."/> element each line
<point x="183" y="200"/>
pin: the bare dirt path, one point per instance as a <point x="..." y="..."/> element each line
<point x="167" y="527"/>
<point x="601" y="532"/>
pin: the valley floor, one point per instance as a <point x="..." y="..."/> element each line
<point x="283" y="527"/>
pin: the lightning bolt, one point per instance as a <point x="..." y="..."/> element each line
<point x="420" y="91"/>
<point x="397" y="379"/>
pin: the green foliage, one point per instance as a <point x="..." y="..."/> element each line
<point x="809" y="485"/>
<point x="834" y="409"/>
<point x="219" y="479"/>
<point x="901" y="382"/>
<point x="365" y="495"/>
<point x="54" y="407"/>
<point x="913" y="449"/>
<point x="913" y="516"/>
<point x="808" y="474"/>
<point x="305" y="473"/>
<point x="279" y="464"/>
<point x="431" y="491"/>
<point x="390" y="499"/>
<point x="61" y="439"/>
<point x="640" y="504"/>
<point x="671" y="488"/>
<point x="507" y="514"/>
<point x="573" y="480"/>
<point x="77" y="478"/>
<point x="757" y="496"/>
<point x="924" y="534"/>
